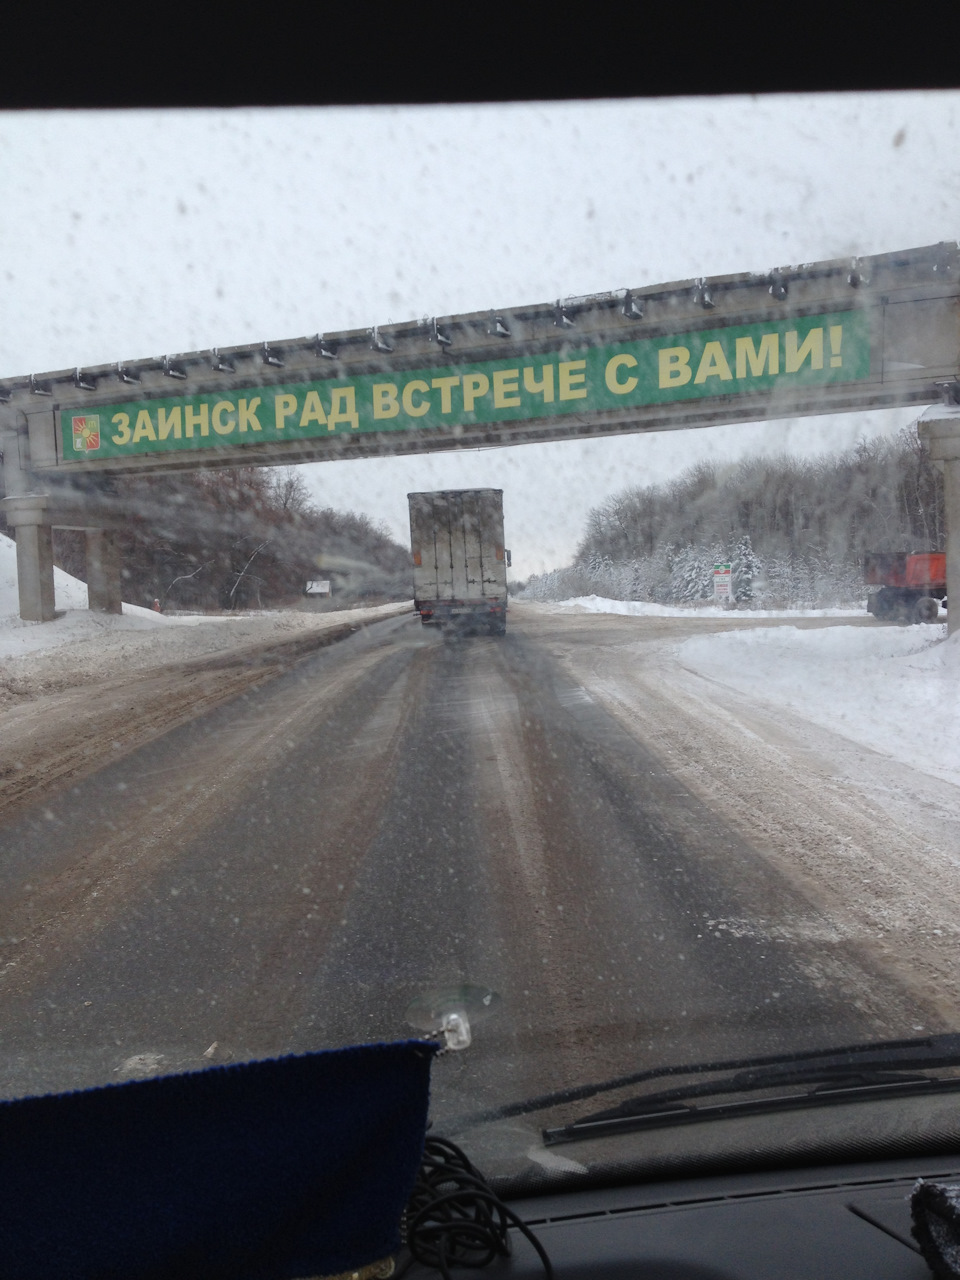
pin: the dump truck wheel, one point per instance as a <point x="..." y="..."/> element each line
<point x="883" y="604"/>
<point x="927" y="609"/>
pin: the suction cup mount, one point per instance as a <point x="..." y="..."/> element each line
<point x="448" y="1013"/>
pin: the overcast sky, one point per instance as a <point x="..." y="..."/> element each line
<point x="136" y="234"/>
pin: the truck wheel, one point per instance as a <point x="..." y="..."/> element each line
<point x="927" y="609"/>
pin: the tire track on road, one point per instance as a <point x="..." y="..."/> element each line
<point x="78" y="864"/>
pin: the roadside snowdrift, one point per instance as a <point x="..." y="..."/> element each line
<point x="892" y="689"/>
<point x="80" y="645"/>
<point x="644" y="609"/>
<point x="895" y="690"/>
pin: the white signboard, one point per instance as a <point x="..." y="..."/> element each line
<point x="722" y="580"/>
<point x="318" y="588"/>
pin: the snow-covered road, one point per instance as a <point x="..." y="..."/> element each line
<point x="830" y="743"/>
<point x="893" y="689"/>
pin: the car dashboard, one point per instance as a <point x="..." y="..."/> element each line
<point x="851" y="1222"/>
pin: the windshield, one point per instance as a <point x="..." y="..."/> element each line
<point x="667" y="776"/>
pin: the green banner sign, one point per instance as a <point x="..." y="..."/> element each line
<point x="738" y="360"/>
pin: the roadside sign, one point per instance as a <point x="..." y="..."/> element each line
<point x="737" y="360"/>
<point x="824" y="337"/>
<point x="722" y="583"/>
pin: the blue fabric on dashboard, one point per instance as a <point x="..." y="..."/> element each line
<point x="262" y="1171"/>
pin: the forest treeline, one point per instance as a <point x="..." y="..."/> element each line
<point x="795" y="531"/>
<point x="240" y="538"/>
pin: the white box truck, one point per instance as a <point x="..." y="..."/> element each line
<point x="459" y="560"/>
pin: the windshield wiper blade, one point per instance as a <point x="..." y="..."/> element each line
<point x="879" y="1055"/>
<point x="673" y="1106"/>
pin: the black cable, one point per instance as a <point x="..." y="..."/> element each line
<point x="454" y="1218"/>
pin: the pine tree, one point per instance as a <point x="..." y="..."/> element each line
<point x="745" y="568"/>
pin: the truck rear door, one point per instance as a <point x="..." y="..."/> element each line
<point x="423" y="545"/>
<point x="448" y="518"/>
<point x="472" y="526"/>
<point x="494" y="569"/>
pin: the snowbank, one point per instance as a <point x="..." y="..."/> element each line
<point x="82" y="645"/>
<point x="18" y="637"/>
<point x="643" y="609"/>
<point x="896" y="690"/>
<point x="893" y="689"/>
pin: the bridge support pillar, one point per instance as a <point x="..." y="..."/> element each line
<point x="103" y="571"/>
<point x="939" y="428"/>
<point x="35" y="572"/>
<point x="34" y="516"/>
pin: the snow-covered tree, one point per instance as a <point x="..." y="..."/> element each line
<point x="745" y="567"/>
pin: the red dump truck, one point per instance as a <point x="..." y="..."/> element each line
<point x="905" y="588"/>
